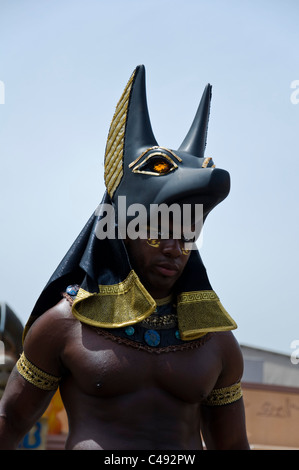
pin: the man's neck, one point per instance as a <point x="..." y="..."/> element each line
<point x="164" y="300"/>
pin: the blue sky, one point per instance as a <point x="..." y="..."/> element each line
<point x="64" y="65"/>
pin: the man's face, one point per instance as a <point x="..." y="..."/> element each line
<point x="159" y="263"/>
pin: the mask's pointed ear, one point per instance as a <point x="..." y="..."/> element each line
<point x="130" y="131"/>
<point x="195" y="141"/>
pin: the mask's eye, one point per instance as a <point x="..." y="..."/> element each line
<point x="156" y="164"/>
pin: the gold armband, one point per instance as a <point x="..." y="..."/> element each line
<point x="224" y="396"/>
<point x="36" y="376"/>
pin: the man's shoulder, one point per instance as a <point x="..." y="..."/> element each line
<point x="48" y="337"/>
<point x="226" y="340"/>
<point x="230" y="354"/>
<point x="56" y="323"/>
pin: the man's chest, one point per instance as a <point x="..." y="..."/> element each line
<point x="102" y="367"/>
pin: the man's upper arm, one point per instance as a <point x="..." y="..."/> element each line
<point x="223" y="427"/>
<point x="34" y="379"/>
<point x="20" y="408"/>
<point x="222" y="415"/>
<point x="45" y="341"/>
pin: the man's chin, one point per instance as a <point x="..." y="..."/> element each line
<point x="160" y="286"/>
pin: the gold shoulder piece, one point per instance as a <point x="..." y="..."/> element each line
<point x="36" y="376"/>
<point x="201" y="312"/>
<point x="224" y="396"/>
<point x="116" y="305"/>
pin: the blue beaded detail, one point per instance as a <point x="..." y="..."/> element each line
<point x="177" y="334"/>
<point x="72" y="290"/>
<point x="130" y="330"/>
<point x="152" y="337"/>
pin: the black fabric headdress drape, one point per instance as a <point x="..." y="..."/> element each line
<point x="111" y="294"/>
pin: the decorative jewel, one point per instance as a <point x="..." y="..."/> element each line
<point x="130" y="330"/>
<point x="177" y="334"/>
<point x="72" y="290"/>
<point x="152" y="337"/>
<point x="156" y="163"/>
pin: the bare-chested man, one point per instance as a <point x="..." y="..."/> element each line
<point x="142" y="352"/>
<point x="117" y="397"/>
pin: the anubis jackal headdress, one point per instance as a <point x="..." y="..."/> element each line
<point x="111" y="294"/>
<point x="138" y="168"/>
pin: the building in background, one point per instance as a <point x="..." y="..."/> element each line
<point x="271" y="397"/>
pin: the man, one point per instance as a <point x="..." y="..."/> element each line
<point x="141" y="348"/>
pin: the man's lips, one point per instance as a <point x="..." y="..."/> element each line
<point x="167" y="269"/>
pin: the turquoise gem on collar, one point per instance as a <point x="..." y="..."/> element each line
<point x="129" y="330"/>
<point x="152" y="337"/>
<point x="72" y="290"/>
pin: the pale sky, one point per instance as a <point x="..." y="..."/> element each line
<point x="63" y="67"/>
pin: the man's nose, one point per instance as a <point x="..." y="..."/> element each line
<point x="171" y="248"/>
